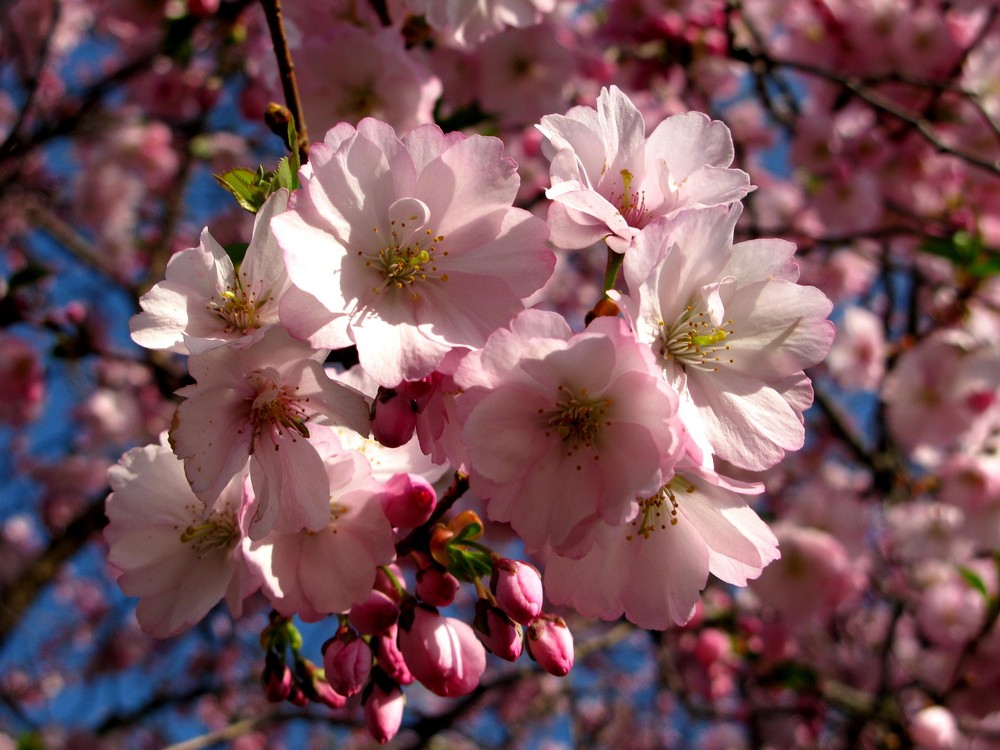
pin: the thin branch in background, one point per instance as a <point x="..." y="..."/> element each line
<point x="46" y="219"/>
<point x="31" y="84"/>
<point x="20" y="594"/>
<point x="286" y="71"/>
<point x="856" y="86"/>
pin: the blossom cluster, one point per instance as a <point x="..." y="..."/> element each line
<point x="419" y="379"/>
<point x="598" y="447"/>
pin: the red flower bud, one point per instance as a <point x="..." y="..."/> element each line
<point x="374" y="615"/>
<point x="518" y="589"/>
<point x="496" y="631"/>
<point x="436" y="587"/>
<point x="408" y="501"/>
<point x="551" y="644"/>
<point x="347" y="664"/>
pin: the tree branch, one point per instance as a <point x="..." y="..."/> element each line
<point x="286" y="70"/>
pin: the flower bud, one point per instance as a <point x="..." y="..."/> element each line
<point x="384" y="712"/>
<point x="935" y="728"/>
<point x="496" y="631"/>
<point x="347" y="663"/>
<point x="277" y="678"/>
<point x="436" y="587"/>
<point x="442" y="653"/>
<point x="297" y="697"/>
<point x="390" y="658"/>
<point x="314" y="686"/>
<point x="394" y="418"/>
<point x="551" y="644"/>
<point x="374" y="615"/>
<point x="323" y="692"/>
<point x="518" y="589"/>
<point x="408" y="501"/>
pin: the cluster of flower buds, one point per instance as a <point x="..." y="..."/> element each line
<point x="395" y="637"/>
<point x="302" y="681"/>
<point x="514" y="602"/>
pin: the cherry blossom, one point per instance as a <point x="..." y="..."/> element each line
<point x="609" y="180"/>
<point x="179" y="557"/>
<point x="205" y="301"/>
<point x="653" y="568"/>
<point x="407" y="248"/>
<point x="564" y="430"/>
<point x="319" y="572"/>
<point x="255" y="403"/>
<point x="732" y="331"/>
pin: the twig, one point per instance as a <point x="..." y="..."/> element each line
<point x="228" y="732"/>
<point x="286" y="69"/>
<point x="19" y="595"/>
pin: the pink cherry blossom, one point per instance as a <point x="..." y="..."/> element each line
<point x="179" y="557"/>
<point x="467" y="24"/>
<point x="814" y="577"/>
<point x="407" y="248"/>
<point x="858" y="355"/>
<point x="653" y="568"/>
<point x="205" y="301"/>
<point x="322" y="571"/>
<point x="22" y="384"/>
<point x="564" y="430"/>
<point x="941" y="392"/>
<point x="609" y="180"/>
<point x="255" y="403"/>
<point x="732" y="331"/>
<point x="376" y="78"/>
<point x="518" y="589"/>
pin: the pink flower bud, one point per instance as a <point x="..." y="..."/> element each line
<point x="314" y="686"/>
<point x="323" y="692"/>
<point x="390" y="658"/>
<point x="442" y="653"/>
<point x="394" y="418"/>
<point x="347" y="664"/>
<point x="436" y="587"/>
<point x="384" y="713"/>
<point x="374" y="615"/>
<point x="551" y="644"/>
<point x="496" y="631"/>
<point x="935" y="728"/>
<point x="277" y="678"/>
<point x="518" y="589"/>
<point x="202" y="8"/>
<point x="408" y="501"/>
<point x="297" y="697"/>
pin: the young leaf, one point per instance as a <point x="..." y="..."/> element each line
<point x="245" y="186"/>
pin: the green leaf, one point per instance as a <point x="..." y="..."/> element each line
<point x="469" y="531"/>
<point x="30" y="741"/>
<point x="284" y="177"/>
<point x="245" y="186"/>
<point x="294" y="163"/>
<point x="468" y="564"/>
<point x="967" y="251"/>
<point x="974" y="580"/>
